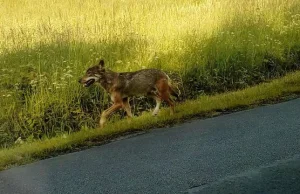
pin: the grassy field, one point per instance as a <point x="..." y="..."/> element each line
<point x="214" y="46"/>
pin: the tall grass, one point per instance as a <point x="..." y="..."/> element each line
<point x="213" y="45"/>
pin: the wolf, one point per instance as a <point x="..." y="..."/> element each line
<point x="152" y="83"/>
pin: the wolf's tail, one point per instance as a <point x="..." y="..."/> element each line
<point x="174" y="89"/>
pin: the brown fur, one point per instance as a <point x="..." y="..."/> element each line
<point x="147" y="82"/>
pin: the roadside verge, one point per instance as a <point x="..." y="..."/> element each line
<point x="205" y="106"/>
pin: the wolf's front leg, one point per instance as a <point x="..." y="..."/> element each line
<point x="127" y="107"/>
<point x="108" y="112"/>
<point x="102" y="121"/>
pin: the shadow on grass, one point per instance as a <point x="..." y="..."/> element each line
<point x="233" y="58"/>
<point x="66" y="107"/>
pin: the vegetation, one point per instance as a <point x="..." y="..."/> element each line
<point x="204" y="106"/>
<point x="212" y="46"/>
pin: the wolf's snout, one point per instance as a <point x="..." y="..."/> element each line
<point x="79" y="80"/>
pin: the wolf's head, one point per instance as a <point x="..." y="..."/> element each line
<point x="93" y="74"/>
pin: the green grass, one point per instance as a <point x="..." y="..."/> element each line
<point x="204" y="106"/>
<point x="213" y="46"/>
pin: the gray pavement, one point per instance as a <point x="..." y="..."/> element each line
<point x="253" y="151"/>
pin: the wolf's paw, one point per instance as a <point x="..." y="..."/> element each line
<point x="154" y="114"/>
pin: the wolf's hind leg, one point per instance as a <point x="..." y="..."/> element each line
<point x="158" y="103"/>
<point x="127" y="107"/>
<point x="164" y="93"/>
<point x="171" y="104"/>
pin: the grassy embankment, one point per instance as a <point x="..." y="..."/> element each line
<point x="204" y="106"/>
<point x="214" y="47"/>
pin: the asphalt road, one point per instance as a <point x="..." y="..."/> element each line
<point x="254" y="151"/>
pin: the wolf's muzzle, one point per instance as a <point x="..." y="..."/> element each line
<point x="89" y="82"/>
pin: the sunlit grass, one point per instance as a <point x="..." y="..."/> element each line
<point x="213" y="45"/>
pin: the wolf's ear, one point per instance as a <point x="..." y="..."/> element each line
<point x="101" y="63"/>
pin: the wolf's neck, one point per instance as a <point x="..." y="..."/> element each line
<point x="108" y="80"/>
